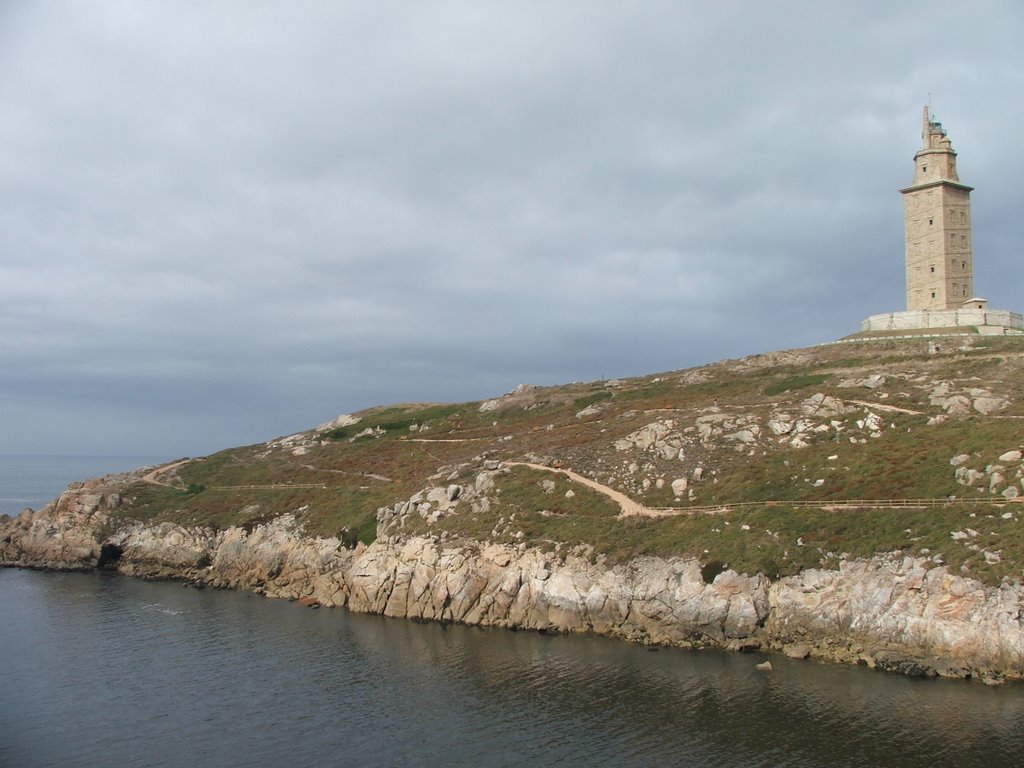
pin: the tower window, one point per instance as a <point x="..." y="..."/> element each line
<point x="931" y="268"/>
<point x="924" y="169"/>
<point x="933" y="294"/>
<point x="930" y="221"/>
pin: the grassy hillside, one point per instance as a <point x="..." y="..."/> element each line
<point x="782" y="435"/>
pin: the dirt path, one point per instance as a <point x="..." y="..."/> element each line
<point x="890" y="408"/>
<point x="629" y="507"/>
<point x="345" y="472"/>
<point x="151" y="477"/>
<point x="445" y="439"/>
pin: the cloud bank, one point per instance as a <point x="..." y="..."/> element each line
<point x="221" y="222"/>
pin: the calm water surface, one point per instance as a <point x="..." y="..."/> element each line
<point x="104" y="670"/>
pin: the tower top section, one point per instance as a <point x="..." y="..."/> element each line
<point x="933" y="134"/>
<point x="935" y="162"/>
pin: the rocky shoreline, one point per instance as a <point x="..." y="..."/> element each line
<point x="892" y="612"/>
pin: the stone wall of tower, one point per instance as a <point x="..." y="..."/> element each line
<point x="940" y="269"/>
<point x="937" y="220"/>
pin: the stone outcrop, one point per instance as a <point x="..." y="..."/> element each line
<point x="896" y="613"/>
<point x="1002" y="478"/>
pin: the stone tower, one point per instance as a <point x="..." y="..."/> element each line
<point x="937" y="220"/>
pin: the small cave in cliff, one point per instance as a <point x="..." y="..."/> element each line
<point x="109" y="555"/>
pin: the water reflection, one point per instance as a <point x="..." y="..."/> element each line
<point x="154" y="674"/>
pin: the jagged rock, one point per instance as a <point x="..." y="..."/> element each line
<point x="679" y="486"/>
<point x="1011" y="456"/>
<point x="873" y="422"/>
<point x="590" y="410"/>
<point x="823" y="406"/>
<point x="344" y="420"/>
<point x="961" y="458"/>
<point x="746" y="436"/>
<point x="987" y="404"/>
<point x="968" y="476"/>
<point x="797" y="651"/>
<point x="954" y="404"/>
<point x="658" y="437"/>
<point x="368" y="432"/>
<point x="957" y="405"/>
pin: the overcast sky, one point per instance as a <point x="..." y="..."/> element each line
<point x="225" y="221"/>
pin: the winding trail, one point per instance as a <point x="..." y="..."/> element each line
<point x="151" y="477"/>
<point x="629" y="507"/>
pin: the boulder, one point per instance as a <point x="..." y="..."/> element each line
<point x="987" y="404"/>
<point x="823" y="406"/>
<point x="343" y="420"/>
<point x="797" y="651"/>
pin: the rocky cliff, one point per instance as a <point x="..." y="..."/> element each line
<point x="905" y="614"/>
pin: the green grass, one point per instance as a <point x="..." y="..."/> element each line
<point x="795" y="382"/>
<point x="596" y="397"/>
<point x="396" y="420"/>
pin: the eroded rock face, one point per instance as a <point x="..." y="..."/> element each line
<point x="651" y="599"/>
<point x="899" y="603"/>
<point x="894" y="613"/>
<point x="64" y="534"/>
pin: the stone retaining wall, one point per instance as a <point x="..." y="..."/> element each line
<point x="987" y="321"/>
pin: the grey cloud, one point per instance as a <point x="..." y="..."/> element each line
<point x="225" y="221"/>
